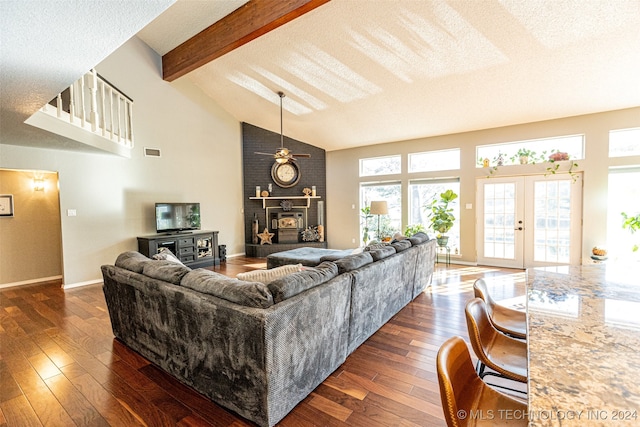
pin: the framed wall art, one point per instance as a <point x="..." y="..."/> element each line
<point x="6" y="205"/>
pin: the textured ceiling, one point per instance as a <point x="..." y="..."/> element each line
<point x="47" y="45"/>
<point x="363" y="72"/>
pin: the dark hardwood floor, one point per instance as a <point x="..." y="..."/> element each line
<point x="61" y="366"/>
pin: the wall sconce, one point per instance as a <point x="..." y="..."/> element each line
<point x="38" y="184"/>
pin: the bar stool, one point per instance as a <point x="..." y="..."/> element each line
<point x="466" y="399"/>
<point x="505" y="355"/>
<point x="506" y="320"/>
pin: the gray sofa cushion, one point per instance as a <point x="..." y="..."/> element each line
<point x="378" y="254"/>
<point x="293" y="284"/>
<point x="132" y="261"/>
<point x="250" y="294"/>
<point x="401" y="245"/>
<point x="418" y="238"/>
<point x="165" y="270"/>
<point x="352" y="262"/>
<point x="166" y="254"/>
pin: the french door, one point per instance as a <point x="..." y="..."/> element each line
<point x="529" y="221"/>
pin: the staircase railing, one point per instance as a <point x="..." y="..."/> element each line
<point x="95" y="105"/>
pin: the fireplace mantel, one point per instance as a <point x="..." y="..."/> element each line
<point x="264" y="199"/>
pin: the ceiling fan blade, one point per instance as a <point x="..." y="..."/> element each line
<point x="263" y="154"/>
<point x="307" y="156"/>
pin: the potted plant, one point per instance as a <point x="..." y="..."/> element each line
<point x="559" y="156"/>
<point x="366" y="216"/>
<point x="633" y="224"/>
<point x="524" y="155"/>
<point x="441" y="216"/>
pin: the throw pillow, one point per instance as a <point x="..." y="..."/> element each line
<point x="399" y="236"/>
<point x="293" y="284"/>
<point x="250" y="294"/>
<point x="268" y="276"/>
<point x="166" y="254"/>
<point x="132" y="261"/>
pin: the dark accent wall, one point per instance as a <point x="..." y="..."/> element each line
<point x="257" y="171"/>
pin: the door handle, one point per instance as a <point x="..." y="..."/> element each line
<point x="519" y="228"/>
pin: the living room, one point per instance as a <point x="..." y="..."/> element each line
<point x="76" y="209"/>
<point x="201" y="147"/>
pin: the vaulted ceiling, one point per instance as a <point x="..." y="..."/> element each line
<point x="363" y="72"/>
<point x="355" y="72"/>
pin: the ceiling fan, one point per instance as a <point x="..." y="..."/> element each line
<point x="283" y="155"/>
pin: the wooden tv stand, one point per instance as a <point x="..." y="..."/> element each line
<point x="194" y="248"/>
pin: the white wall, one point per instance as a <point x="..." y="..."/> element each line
<point x="343" y="179"/>
<point x="114" y="197"/>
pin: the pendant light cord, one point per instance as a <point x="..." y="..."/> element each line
<point x="281" y="95"/>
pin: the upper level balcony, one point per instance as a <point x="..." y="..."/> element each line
<point x="90" y="111"/>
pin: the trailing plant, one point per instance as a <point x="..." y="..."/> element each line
<point x="633" y="224"/>
<point x="441" y="215"/>
<point x="557" y="156"/>
<point x="522" y="153"/>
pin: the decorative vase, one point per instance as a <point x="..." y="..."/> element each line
<point x="524" y="160"/>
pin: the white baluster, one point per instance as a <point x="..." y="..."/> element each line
<point x="119" y="119"/>
<point x="103" y="111"/>
<point x="111" y="111"/>
<point x="72" y="104"/>
<point x="59" y="105"/>
<point x="83" y="115"/>
<point x="130" y="124"/>
<point x="93" y="87"/>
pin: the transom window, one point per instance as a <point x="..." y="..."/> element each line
<point x="380" y="166"/>
<point x="538" y="150"/>
<point x="430" y="161"/>
<point x="624" y="142"/>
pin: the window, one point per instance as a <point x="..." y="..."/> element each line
<point x="380" y="166"/>
<point x="434" y="160"/>
<point x="539" y="148"/>
<point x="421" y="193"/>
<point x="624" y="142"/>
<point x="389" y="224"/>
<point x="624" y="196"/>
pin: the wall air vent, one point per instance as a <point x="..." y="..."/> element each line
<point x="151" y="152"/>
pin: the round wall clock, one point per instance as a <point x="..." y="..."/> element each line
<point x="285" y="175"/>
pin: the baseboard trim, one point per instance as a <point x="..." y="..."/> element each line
<point x="80" y="284"/>
<point x="30" y="282"/>
<point x="235" y="255"/>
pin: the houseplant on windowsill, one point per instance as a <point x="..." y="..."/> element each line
<point x="441" y="216"/>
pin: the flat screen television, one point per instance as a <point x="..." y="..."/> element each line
<point x="176" y="217"/>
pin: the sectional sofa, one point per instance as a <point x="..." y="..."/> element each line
<point x="259" y="349"/>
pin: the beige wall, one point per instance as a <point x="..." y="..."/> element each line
<point x="30" y="245"/>
<point x="114" y="197"/>
<point x="343" y="175"/>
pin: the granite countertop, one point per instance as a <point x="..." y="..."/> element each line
<point x="584" y="345"/>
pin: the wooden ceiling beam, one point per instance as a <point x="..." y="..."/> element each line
<point x="248" y="22"/>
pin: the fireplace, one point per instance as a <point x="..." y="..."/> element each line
<point x="288" y="226"/>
